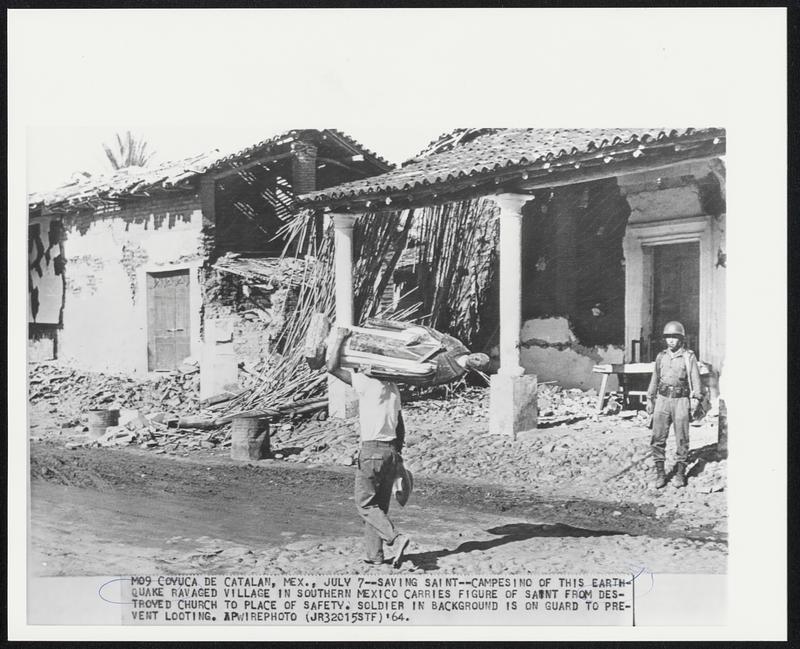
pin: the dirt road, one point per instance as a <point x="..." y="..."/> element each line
<point x="125" y="511"/>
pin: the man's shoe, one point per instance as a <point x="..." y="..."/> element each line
<point x="660" y="478"/>
<point x="399" y="546"/>
<point x="679" y="479"/>
<point x="374" y="562"/>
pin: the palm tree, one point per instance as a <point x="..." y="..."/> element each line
<point x="130" y="151"/>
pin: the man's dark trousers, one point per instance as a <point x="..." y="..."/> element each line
<point x="377" y="467"/>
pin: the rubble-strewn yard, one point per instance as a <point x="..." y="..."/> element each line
<point x="575" y="453"/>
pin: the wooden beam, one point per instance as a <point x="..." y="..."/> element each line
<point x="354" y="150"/>
<point x="253" y="163"/>
<point x="338" y="163"/>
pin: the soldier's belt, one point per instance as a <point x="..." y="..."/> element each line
<point x="673" y="391"/>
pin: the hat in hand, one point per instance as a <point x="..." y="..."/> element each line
<point x="403" y="484"/>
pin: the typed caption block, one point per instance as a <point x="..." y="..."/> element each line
<point x="378" y="600"/>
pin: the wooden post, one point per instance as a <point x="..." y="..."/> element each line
<point x="722" y="429"/>
<point x="603" y="384"/>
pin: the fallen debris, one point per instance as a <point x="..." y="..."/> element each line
<point x="197" y="422"/>
<point x="148" y="407"/>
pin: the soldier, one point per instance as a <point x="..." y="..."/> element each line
<point x="674" y="393"/>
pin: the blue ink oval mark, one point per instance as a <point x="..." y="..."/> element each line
<point x="100" y="591"/>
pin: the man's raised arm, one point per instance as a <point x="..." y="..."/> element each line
<point x="334" y="352"/>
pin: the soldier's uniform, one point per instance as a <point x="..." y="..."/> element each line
<point x="671" y="396"/>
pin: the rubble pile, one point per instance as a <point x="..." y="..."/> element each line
<point x="555" y="402"/>
<point x="75" y="391"/>
<point x="161" y="412"/>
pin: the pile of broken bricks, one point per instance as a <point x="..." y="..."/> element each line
<point x="160" y="431"/>
<point x="73" y="392"/>
<point x="162" y="412"/>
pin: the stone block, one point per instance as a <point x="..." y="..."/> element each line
<point x="127" y="415"/>
<point x="513" y="406"/>
<point x="219" y="370"/>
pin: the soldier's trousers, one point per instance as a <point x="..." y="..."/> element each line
<point x="670" y="410"/>
<point x="377" y="466"/>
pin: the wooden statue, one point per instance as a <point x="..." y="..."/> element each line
<point x="394" y="351"/>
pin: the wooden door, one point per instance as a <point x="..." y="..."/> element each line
<point x="676" y="290"/>
<point x="167" y="319"/>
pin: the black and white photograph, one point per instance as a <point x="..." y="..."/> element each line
<point x="342" y="348"/>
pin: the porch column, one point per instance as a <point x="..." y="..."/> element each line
<point x="512" y="396"/>
<point x="342" y="401"/>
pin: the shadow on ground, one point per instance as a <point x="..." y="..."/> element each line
<point x="508" y="534"/>
<point x="698" y="458"/>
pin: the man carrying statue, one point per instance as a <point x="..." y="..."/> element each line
<point x="395" y="351"/>
<point x="379" y="355"/>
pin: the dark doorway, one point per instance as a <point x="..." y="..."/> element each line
<point x="167" y="319"/>
<point x="676" y="290"/>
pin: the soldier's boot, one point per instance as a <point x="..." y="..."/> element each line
<point x="660" y="477"/>
<point x="679" y="479"/>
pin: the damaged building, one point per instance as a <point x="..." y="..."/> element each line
<point x="595" y="238"/>
<point x="138" y="270"/>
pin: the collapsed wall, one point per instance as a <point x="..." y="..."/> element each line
<point x="248" y="301"/>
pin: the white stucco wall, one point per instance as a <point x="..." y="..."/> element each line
<point x="108" y="257"/>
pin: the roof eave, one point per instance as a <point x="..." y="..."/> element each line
<point x="229" y="163"/>
<point x="563" y="170"/>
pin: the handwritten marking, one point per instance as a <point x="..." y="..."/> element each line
<point x="637" y="572"/>
<point x="100" y="591"/>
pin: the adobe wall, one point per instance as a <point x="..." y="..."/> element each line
<point x="109" y="254"/>
<point x="550" y="349"/>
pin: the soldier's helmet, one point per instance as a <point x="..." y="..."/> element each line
<point x="674" y="328"/>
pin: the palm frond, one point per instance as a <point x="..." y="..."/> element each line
<point x="130" y="151"/>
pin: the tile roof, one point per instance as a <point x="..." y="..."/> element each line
<point x="84" y="188"/>
<point x="484" y="153"/>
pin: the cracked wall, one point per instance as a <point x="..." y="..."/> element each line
<point x="550" y="349"/>
<point x="109" y="253"/>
